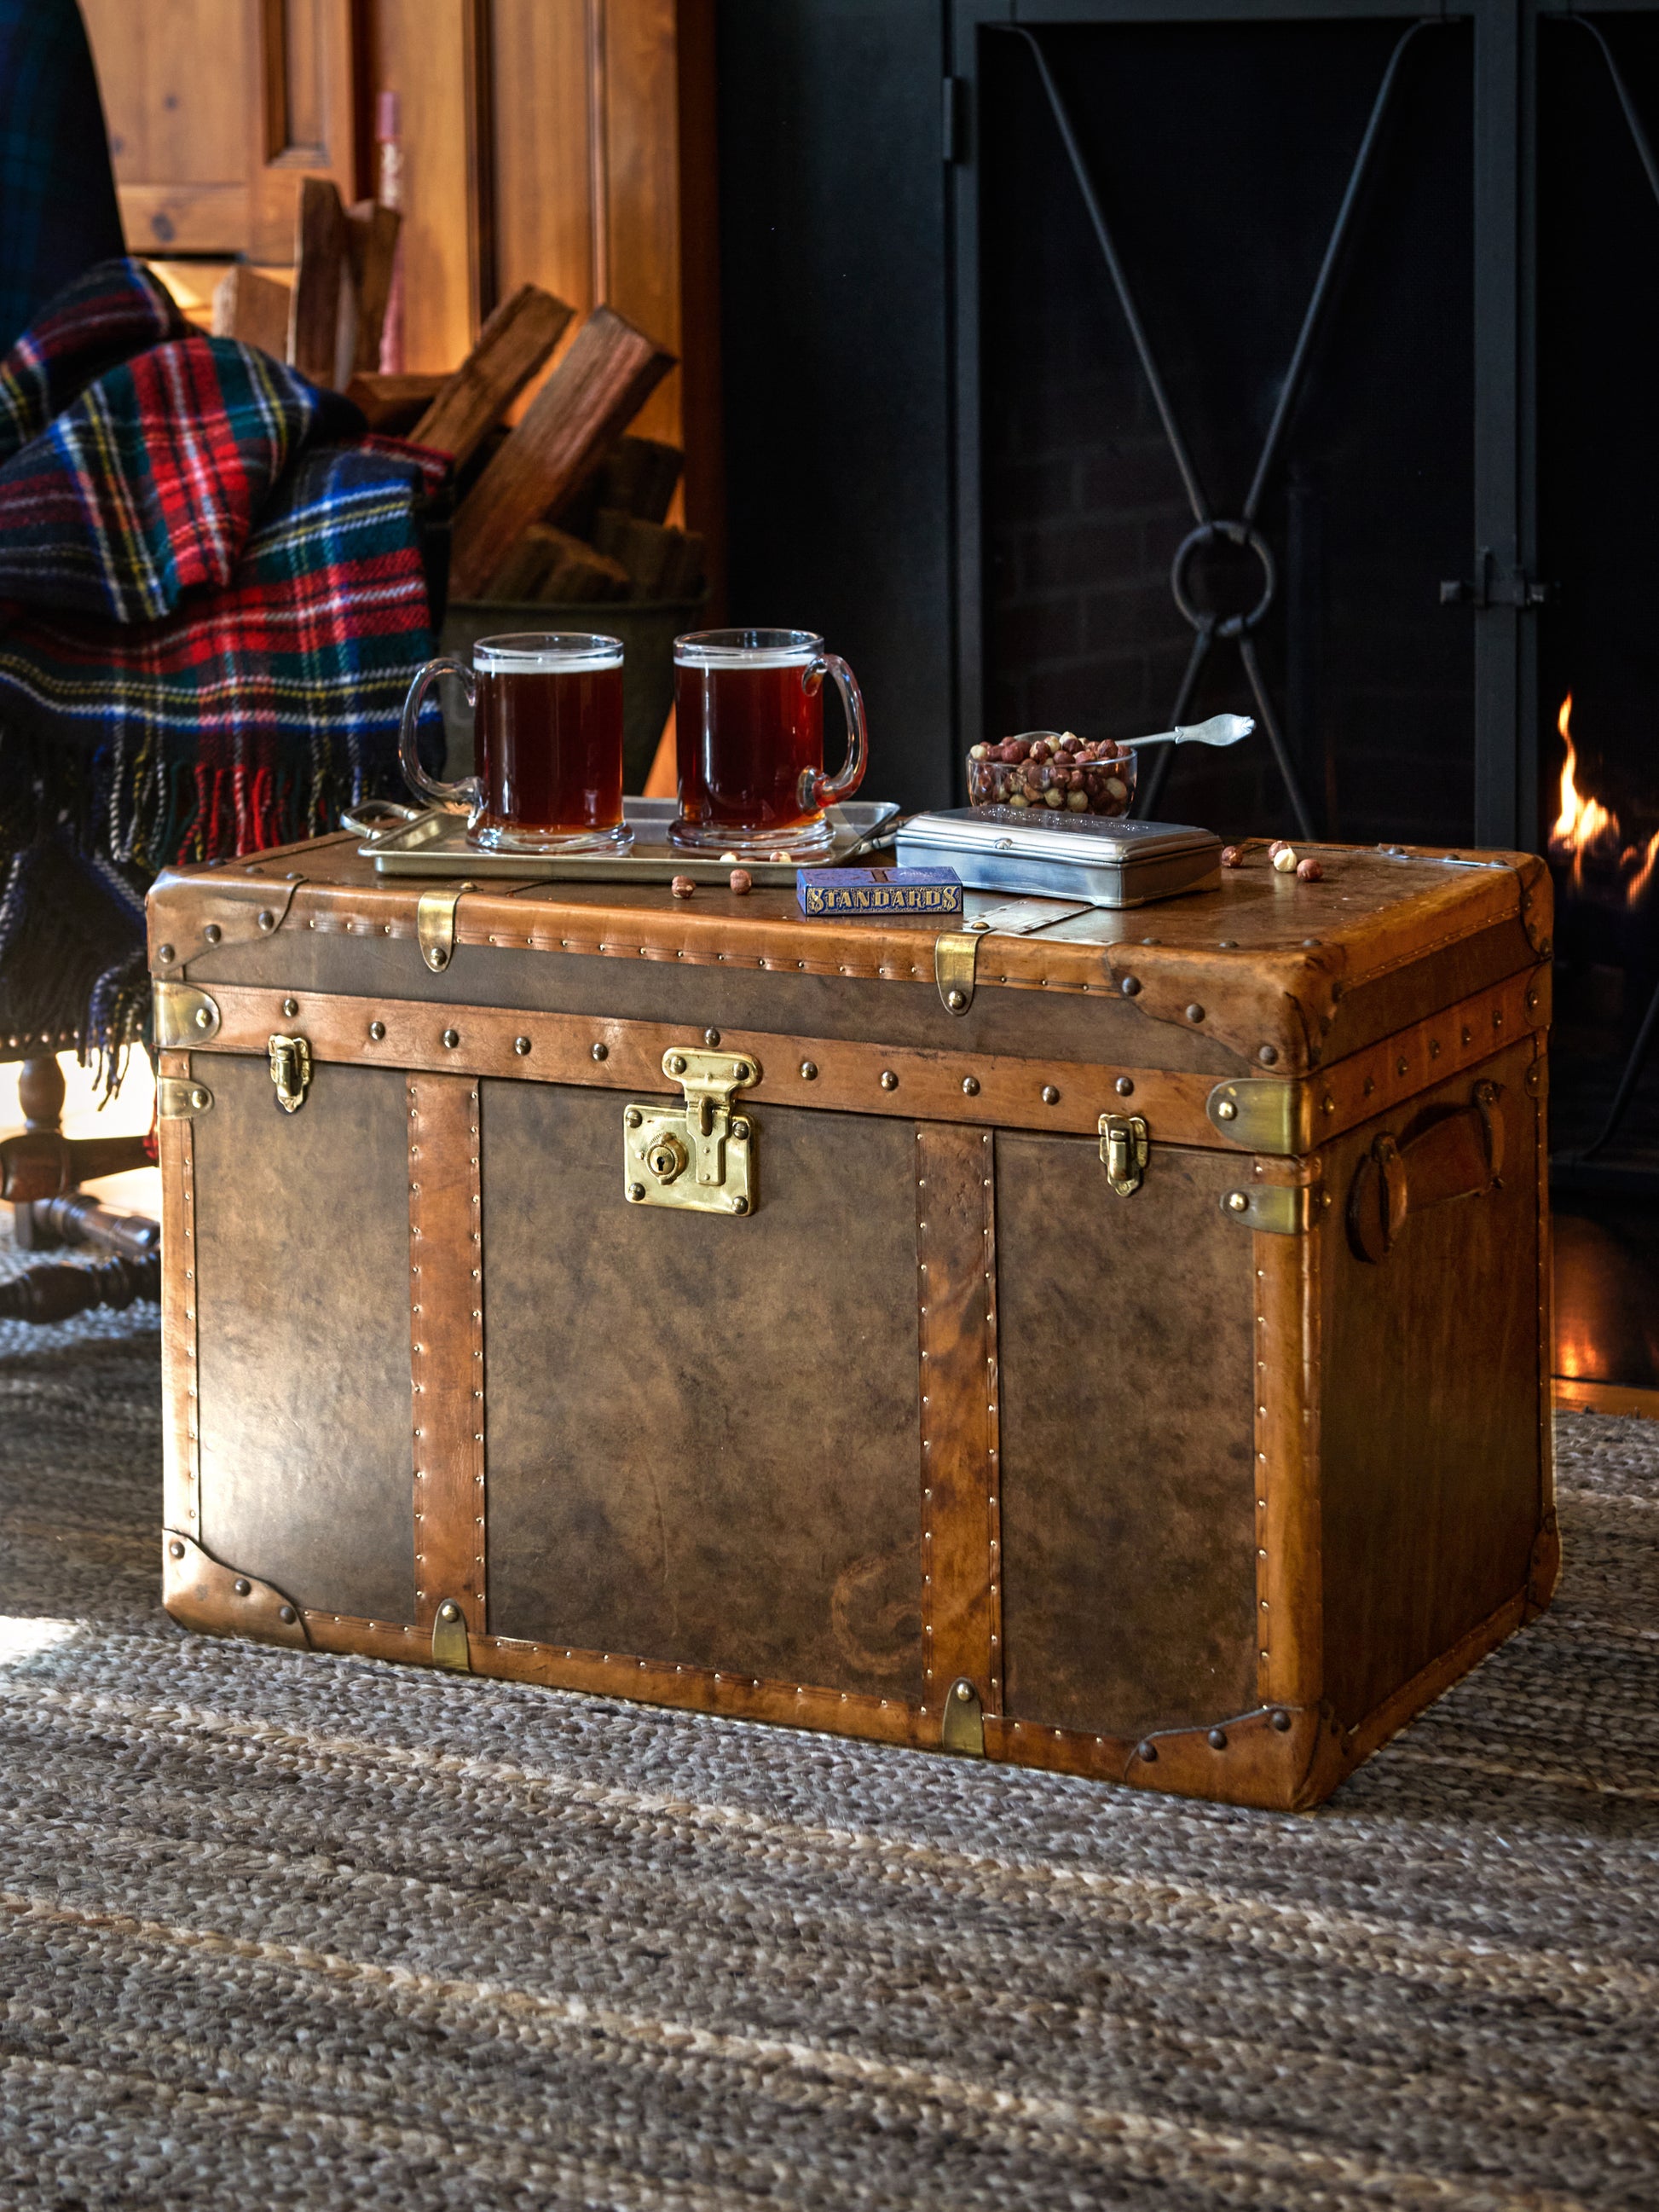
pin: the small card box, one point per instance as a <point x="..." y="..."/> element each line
<point x="853" y="894"/>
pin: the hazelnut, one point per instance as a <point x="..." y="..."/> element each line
<point x="728" y="856"/>
<point x="975" y="752"/>
<point x="1275" y="847"/>
<point x="681" y="887"/>
<point x="1018" y="799"/>
<point x="1232" y="856"/>
<point x="1054" y="798"/>
<point x="1116" y="787"/>
<point x="1284" y="860"/>
<point x="1077" y="801"/>
<point x="742" y="881"/>
<point x="1309" y="871"/>
<point x="777" y="856"/>
<point x="1014" y="751"/>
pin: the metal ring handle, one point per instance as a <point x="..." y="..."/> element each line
<point x="1237" y="533"/>
<point x="465" y="797"/>
<point x="375" y="815"/>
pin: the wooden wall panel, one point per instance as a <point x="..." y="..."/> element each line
<point x="419" y="50"/>
<point x="641" y="195"/>
<point x="543" y="149"/>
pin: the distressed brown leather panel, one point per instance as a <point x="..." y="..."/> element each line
<point x="1433" y="1484"/>
<point x="302" y="1258"/>
<point x="703" y="1437"/>
<point x="1067" y="1026"/>
<point x="1126" y="1414"/>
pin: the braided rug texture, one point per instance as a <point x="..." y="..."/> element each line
<point x="280" y="1930"/>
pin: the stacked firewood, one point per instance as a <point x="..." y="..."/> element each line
<point x="564" y="505"/>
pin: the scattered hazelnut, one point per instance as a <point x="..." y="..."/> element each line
<point x="1284" y="860"/>
<point x="681" y="887"/>
<point x="1276" y="846"/>
<point x="1232" y="856"/>
<point x="742" y="881"/>
<point x="1309" y="871"/>
<point x="777" y="856"/>
<point x="728" y="856"/>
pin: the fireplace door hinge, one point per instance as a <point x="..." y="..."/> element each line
<point x="1512" y="588"/>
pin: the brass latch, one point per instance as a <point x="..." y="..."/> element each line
<point x="290" y="1071"/>
<point x="449" y="1644"/>
<point x="1123" y="1148"/>
<point x="701" y="1156"/>
<point x="963" y="1728"/>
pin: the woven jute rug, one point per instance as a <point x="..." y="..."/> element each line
<point x="279" y="1930"/>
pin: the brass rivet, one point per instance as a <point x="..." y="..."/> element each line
<point x="285" y="1612"/>
<point x="204" y="1019"/>
<point x="740" y="1206"/>
<point x="1217" y="1739"/>
<point x="452" y="1038"/>
<point x="1050" y="1096"/>
<point x="265" y="918"/>
<point x="449" y="1610"/>
<point x="636" y="1192"/>
<point x="676" y="1064"/>
<point x="163" y="953"/>
<point x="711" y="1037"/>
<point x="521" y="1046"/>
<point x="290" y="1007"/>
<point x="212" y="934"/>
<point x="1402" y="1066"/>
<point x="1468" y="1033"/>
<point x="1194" y="1013"/>
<point x="808" y="1072"/>
<point x="1148" y="1752"/>
<point x="1124" y="1088"/>
<point x="964" y="1690"/>
<point x="1130" y="986"/>
<point x="242" y="1586"/>
<point x="601" y="1052"/>
<point x="1328" y="1104"/>
<point x="1267" y="1055"/>
<point x="1226" y="1111"/>
<point x="955" y="999"/>
<point x="198" y="1099"/>
<point x="740" y="1132"/>
<point x="1237" y="1202"/>
<point x="889" y="1080"/>
<point x="632" y="1117"/>
<point x="971" y="1086"/>
<point x="176" y="1548"/>
<point x="1280" y="1719"/>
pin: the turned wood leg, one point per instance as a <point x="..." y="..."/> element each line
<point x="40" y="1093"/>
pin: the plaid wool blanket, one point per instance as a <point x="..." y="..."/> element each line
<point x="212" y="598"/>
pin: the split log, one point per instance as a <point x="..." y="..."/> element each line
<point x="393" y="403"/>
<point x="321" y="270"/>
<point x="605" y="378"/>
<point x="640" y="479"/>
<point x="550" y="564"/>
<point x="372" y="243"/>
<point x="662" y="563"/>
<point x="252" y="307"/>
<point x="517" y="339"/>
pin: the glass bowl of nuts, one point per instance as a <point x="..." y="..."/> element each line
<point x="1052" y="772"/>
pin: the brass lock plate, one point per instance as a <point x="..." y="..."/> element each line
<point x="290" y="1071"/>
<point x="1124" y="1147"/>
<point x="699" y="1157"/>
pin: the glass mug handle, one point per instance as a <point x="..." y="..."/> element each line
<point x="462" y="798"/>
<point x="816" y="790"/>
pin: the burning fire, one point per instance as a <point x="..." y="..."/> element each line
<point x="1587" y="834"/>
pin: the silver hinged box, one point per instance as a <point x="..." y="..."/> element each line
<point x="1110" y="863"/>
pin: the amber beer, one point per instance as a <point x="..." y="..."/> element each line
<point x="749" y="732"/>
<point x="548" y="743"/>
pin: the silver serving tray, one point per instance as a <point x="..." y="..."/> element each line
<point x="434" y="844"/>
<point x="1103" y="862"/>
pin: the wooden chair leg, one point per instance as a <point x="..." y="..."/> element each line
<point x="40" y="1093"/>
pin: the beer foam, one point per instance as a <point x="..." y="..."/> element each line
<point x="728" y="648"/>
<point x="546" y="652"/>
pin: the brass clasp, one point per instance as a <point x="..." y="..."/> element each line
<point x="290" y="1071"/>
<point x="701" y="1156"/>
<point x="1124" y="1144"/>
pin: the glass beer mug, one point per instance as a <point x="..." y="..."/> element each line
<point x="749" y="737"/>
<point x="548" y="740"/>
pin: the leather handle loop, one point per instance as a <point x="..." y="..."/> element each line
<point x="1456" y="1152"/>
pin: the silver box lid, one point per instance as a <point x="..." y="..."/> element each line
<point x="1106" y="861"/>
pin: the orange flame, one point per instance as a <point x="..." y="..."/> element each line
<point x="1586" y="830"/>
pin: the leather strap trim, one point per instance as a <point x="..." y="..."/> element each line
<point x="181" y="1477"/>
<point x="446" y="1366"/>
<point x="960" y="1459"/>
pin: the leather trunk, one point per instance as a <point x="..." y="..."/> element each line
<point x="1115" y="1342"/>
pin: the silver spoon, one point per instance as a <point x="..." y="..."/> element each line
<point x="1219" y="730"/>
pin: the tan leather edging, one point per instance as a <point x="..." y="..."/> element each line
<point x="446" y="1371"/>
<point x="846" y="1078"/>
<point x="1386" y="1074"/>
<point x="1264" y="1758"/>
<point x="1357" y="1744"/>
<point x="961" y="1533"/>
<point x="181" y="1463"/>
<point x="650" y="1681"/>
<point x="1290" y="1650"/>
